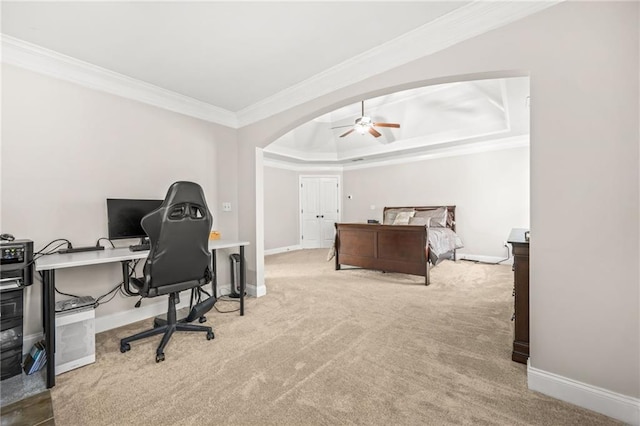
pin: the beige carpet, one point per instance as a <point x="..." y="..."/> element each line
<point x="327" y="347"/>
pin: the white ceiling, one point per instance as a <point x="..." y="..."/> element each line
<point x="235" y="63"/>
<point x="227" y="54"/>
<point x="445" y="117"/>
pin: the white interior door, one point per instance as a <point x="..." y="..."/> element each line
<point x="328" y="210"/>
<point x="319" y="209"/>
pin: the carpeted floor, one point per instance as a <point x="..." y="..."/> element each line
<point x="327" y="347"/>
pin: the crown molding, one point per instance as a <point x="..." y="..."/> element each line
<point x="475" y="148"/>
<point x="301" y="167"/>
<point x="461" y="24"/>
<point x="48" y="62"/>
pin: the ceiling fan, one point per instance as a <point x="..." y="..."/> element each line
<point x="364" y="124"/>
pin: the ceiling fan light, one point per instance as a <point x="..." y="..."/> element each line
<point x="362" y="129"/>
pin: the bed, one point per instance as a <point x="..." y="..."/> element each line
<point x="409" y="240"/>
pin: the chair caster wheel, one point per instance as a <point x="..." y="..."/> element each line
<point x="202" y="319"/>
<point x="124" y="347"/>
<point x="159" y="357"/>
<point x="210" y="335"/>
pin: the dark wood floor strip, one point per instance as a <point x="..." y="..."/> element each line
<point x="32" y="411"/>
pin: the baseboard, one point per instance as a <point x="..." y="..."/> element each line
<point x="612" y="404"/>
<point x="118" y="319"/>
<point x="256" y="291"/>
<point x="282" y="249"/>
<point x="484" y="259"/>
<point x="30" y="340"/>
<point x="252" y="290"/>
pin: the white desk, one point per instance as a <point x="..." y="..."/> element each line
<point x="48" y="265"/>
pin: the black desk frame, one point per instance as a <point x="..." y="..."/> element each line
<point x="49" y="300"/>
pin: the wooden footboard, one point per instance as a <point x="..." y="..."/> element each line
<point x="388" y="248"/>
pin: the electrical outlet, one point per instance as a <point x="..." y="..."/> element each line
<point x="226" y="207"/>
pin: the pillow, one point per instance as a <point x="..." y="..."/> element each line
<point x="390" y="215"/>
<point x="424" y="221"/>
<point x="437" y="217"/>
<point x="402" y="218"/>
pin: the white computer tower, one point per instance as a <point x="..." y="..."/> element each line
<point x="75" y="339"/>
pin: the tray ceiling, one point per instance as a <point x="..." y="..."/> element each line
<point x="433" y="118"/>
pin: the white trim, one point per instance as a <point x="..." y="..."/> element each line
<point x="29" y="340"/>
<point x="118" y="319"/>
<point x="612" y="404"/>
<point x="256" y="291"/>
<point x="484" y="259"/>
<point x="461" y="24"/>
<point x="300" y="167"/>
<point x="252" y="290"/>
<point x="259" y="289"/>
<point x="282" y="250"/>
<point x="476" y="148"/>
<point x="48" y="62"/>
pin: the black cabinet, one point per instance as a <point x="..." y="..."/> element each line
<point x="11" y="308"/>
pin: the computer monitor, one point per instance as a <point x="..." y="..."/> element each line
<point x="124" y="216"/>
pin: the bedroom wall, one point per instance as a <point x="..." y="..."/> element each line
<point x="66" y="148"/>
<point x="585" y="304"/>
<point x="490" y="191"/>
<point x="282" y="203"/>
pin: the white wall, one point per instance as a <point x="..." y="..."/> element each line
<point x="282" y="202"/>
<point x="66" y="148"/>
<point x="583" y="59"/>
<point x="490" y="191"/>
<point x="281" y="208"/>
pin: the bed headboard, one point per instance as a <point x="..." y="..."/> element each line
<point x="451" y="213"/>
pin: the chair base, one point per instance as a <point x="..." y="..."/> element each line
<point x="165" y="327"/>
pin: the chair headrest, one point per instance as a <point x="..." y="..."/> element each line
<point x="183" y="192"/>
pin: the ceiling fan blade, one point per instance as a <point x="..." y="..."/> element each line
<point x="346" y="133"/>
<point x="396" y="125"/>
<point x="374" y="132"/>
<point x="342" y="127"/>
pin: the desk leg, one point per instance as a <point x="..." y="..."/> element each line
<point x="243" y="283"/>
<point x="49" y="313"/>
<point x="125" y="278"/>
<point x="214" y="274"/>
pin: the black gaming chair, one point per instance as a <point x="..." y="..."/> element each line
<point x="179" y="258"/>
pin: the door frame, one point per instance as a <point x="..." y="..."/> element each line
<point x="339" y="216"/>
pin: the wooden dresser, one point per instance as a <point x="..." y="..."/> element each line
<point x="521" y="292"/>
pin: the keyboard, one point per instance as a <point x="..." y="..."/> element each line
<point x="140" y="247"/>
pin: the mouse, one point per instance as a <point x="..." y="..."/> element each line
<point x="7" y="237"/>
